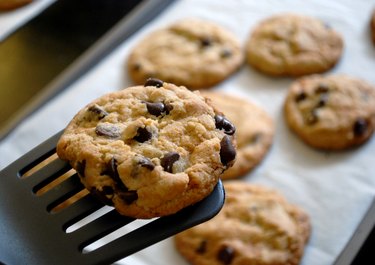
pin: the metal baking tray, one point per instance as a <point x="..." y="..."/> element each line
<point x="58" y="46"/>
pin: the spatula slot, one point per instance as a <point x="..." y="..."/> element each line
<point x="37" y="164"/>
<point x="47" y="174"/>
<point x="121" y="226"/>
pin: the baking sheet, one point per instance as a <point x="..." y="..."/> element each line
<point x="335" y="188"/>
<point x="12" y="20"/>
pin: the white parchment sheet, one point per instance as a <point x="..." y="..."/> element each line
<point x="335" y="188"/>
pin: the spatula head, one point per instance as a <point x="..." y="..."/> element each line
<point x="35" y="229"/>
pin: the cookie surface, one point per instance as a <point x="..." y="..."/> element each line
<point x="331" y="112"/>
<point x="254" y="131"/>
<point x="256" y="226"/>
<point x="6" y="5"/>
<point x="148" y="150"/>
<point x="293" y="45"/>
<point x="191" y="52"/>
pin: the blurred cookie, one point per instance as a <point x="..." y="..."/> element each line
<point x="6" y="5"/>
<point x="254" y="131"/>
<point x="293" y="45"/>
<point x="256" y="226"/>
<point x="191" y="52"/>
<point x="331" y="112"/>
<point x="148" y="150"/>
<point x="372" y="26"/>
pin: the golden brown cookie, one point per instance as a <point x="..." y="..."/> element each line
<point x="149" y="150"/>
<point x="256" y="226"/>
<point x="254" y="131"/>
<point x="331" y="112"/>
<point x="191" y="52"/>
<point x="6" y="5"/>
<point x="293" y="45"/>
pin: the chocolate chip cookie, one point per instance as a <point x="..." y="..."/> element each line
<point x="149" y="150"/>
<point x="293" y="45"/>
<point x="256" y="226"/>
<point x="254" y="131"/>
<point x="191" y="52"/>
<point x="6" y="5"/>
<point x="331" y="112"/>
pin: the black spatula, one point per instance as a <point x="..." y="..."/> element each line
<point x="33" y="233"/>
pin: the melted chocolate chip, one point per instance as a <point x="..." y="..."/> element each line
<point x="129" y="196"/>
<point x="80" y="168"/>
<point x="107" y="190"/>
<point x="226" y="53"/>
<point x="111" y="170"/>
<point x="108" y="130"/>
<point x="143" y="135"/>
<point x="99" y="111"/>
<point x="300" y="96"/>
<point x="101" y="196"/>
<point x="360" y="127"/>
<point x="168" y="160"/>
<point x="205" y="42"/>
<point x="223" y="123"/>
<point x="154" y="82"/>
<point x="202" y="248"/>
<point x="227" y="151"/>
<point x="147" y="163"/>
<point x="225" y="255"/>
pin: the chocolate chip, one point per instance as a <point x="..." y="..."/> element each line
<point x="168" y="108"/>
<point x="227" y="151"/>
<point x="202" y="247"/>
<point x="80" y="168"/>
<point x="223" y="123"/>
<point x="147" y="163"/>
<point x="300" y="96"/>
<point x="129" y="196"/>
<point x="108" y="130"/>
<point x="323" y="99"/>
<point x="107" y="190"/>
<point x="154" y="82"/>
<point x="102" y="195"/>
<point x="322" y="88"/>
<point x="99" y="111"/>
<point x="205" y="42"/>
<point x="226" y="53"/>
<point x="168" y="160"/>
<point x="312" y="117"/>
<point x="143" y="135"/>
<point x="360" y="127"/>
<point x="225" y="255"/>
<point x="156" y="108"/>
<point x="111" y="170"/>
